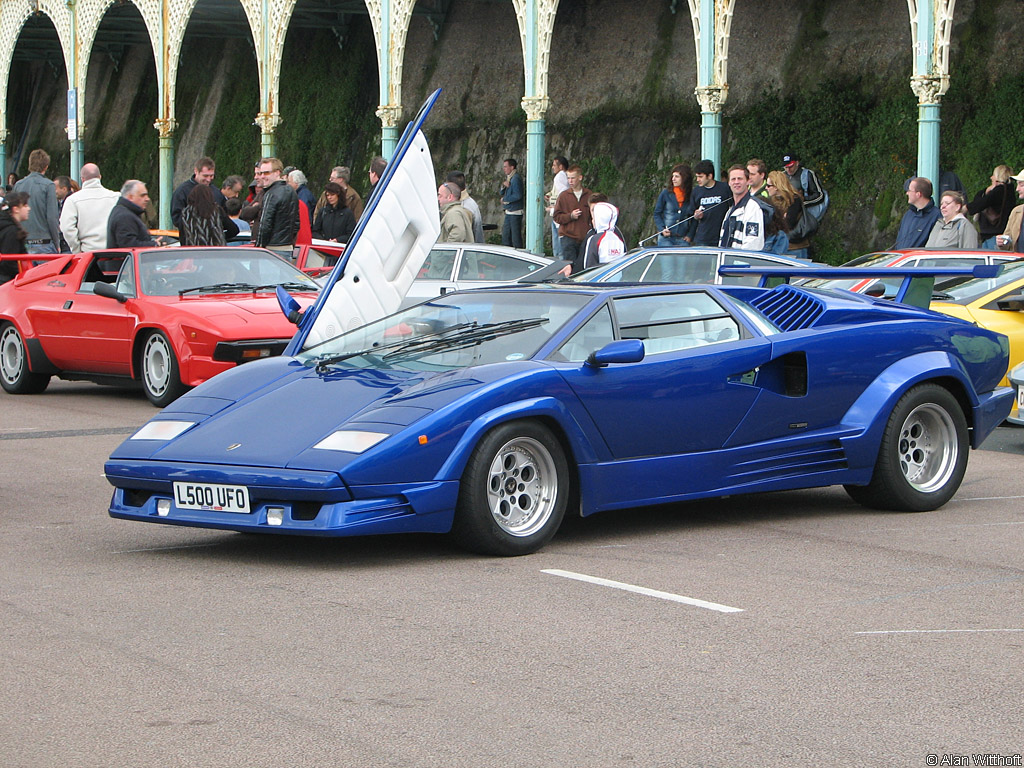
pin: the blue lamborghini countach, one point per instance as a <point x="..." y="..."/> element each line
<point x="490" y="414"/>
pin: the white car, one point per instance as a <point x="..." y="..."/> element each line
<point x="459" y="266"/>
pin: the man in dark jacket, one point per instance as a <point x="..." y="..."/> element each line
<point x="125" y="227"/>
<point x="204" y="171"/>
<point x="279" y="220"/>
<point x="918" y="221"/>
<point x="13" y="212"/>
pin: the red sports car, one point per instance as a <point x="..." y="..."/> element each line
<point x="170" y="317"/>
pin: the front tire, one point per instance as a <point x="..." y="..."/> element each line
<point x="15" y="376"/>
<point x="923" y="455"/>
<point x="160" y="374"/>
<point x="513" y="493"/>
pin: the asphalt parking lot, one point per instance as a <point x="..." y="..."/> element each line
<point x="783" y="629"/>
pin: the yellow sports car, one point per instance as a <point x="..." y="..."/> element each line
<point x="996" y="303"/>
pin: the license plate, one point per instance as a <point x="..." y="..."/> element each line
<point x="215" y="498"/>
<point x="1020" y="399"/>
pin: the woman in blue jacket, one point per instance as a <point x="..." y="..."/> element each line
<point x="675" y="205"/>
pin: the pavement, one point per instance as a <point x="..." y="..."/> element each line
<point x="790" y="628"/>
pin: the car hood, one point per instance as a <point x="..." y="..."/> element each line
<point x="289" y="408"/>
<point x="242" y="305"/>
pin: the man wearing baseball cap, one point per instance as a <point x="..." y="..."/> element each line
<point x="805" y="181"/>
<point x="1012" y="238"/>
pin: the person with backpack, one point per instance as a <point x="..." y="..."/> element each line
<point x="808" y="186"/>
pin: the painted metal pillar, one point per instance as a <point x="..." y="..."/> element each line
<point x="268" y="117"/>
<point x="166" y="129"/>
<point x="536" y="20"/>
<point x="390" y="19"/>
<point x="712" y="20"/>
<point x="3" y="151"/>
<point x="389" y="112"/>
<point x="535" y="108"/>
<point x="534" y="202"/>
<point x="74" y="123"/>
<point x="931" y="23"/>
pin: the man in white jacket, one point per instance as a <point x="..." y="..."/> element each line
<point x="83" y="220"/>
<point x="745" y="226"/>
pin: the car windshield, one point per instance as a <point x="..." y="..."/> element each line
<point x="967" y="292"/>
<point x="181" y="271"/>
<point x="452" y="332"/>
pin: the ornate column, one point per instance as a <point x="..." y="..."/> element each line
<point x="74" y="127"/>
<point x="712" y="21"/>
<point x="931" y="23"/>
<point x="390" y="116"/>
<point x="268" y="122"/>
<point x="165" y="127"/>
<point x="390" y="20"/>
<point x="536" y="20"/>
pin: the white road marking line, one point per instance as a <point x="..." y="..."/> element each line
<point x="991" y="498"/>
<point x="165" y="549"/>
<point x="931" y="631"/>
<point x="643" y="591"/>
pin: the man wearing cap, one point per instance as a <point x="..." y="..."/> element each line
<point x="805" y="181"/>
<point x="919" y="219"/>
<point x="1012" y="238"/>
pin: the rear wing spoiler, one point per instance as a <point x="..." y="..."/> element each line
<point x="915" y="289"/>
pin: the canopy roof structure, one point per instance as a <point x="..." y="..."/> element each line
<point x="109" y="27"/>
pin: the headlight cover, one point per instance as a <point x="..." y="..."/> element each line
<point x="351" y="441"/>
<point x="162" y="430"/>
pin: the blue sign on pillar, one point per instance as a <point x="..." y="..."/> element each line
<point x="72" y="114"/>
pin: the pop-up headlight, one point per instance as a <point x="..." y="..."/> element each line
<point x="351" y="441"/>
<point x="162" y="430"/>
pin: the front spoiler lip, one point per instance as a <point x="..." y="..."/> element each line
<point x="312" y="503"/>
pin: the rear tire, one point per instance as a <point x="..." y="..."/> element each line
<point x="514" y="490"/>
<point x="923" y="455"/>
<point x="15" y="376"/>
<point x="161" y="378"/>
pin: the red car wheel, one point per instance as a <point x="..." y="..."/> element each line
<point x="15" y="375"/>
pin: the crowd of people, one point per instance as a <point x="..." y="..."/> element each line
<point x="750" y="208"/>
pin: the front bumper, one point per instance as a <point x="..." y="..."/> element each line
<point x="299" y="502"/>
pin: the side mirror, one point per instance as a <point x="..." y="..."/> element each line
<point x="624" y="351"/>
<point x="1013" y="303"/>
<point x="109" y="291"/>
<point x="289" y="306"/>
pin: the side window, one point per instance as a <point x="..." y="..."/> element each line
<point x="670" y="322"/>
<point x="316" y="259"/>
<point x="683" y="267"/>
<point x="631" y="273"/>
<point x="438" y="265"/>
<point x="734" y="259"/>
<point x="103" y="269"/>
<point x="590" y="337"/>
<point x="125" y="283"/>
<point x="482" y="265"/>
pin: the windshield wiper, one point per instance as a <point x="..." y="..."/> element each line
<point x="468" y="337"/>
<point x="324" y="361"/>
<point x="218" y="288"/>
<point x="294" y="286"/>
